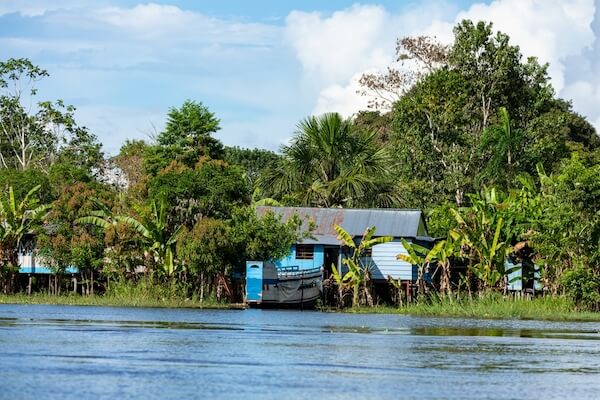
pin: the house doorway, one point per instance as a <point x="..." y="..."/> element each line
<point x="332" y="254"/>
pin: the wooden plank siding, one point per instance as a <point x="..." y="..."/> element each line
<point x="303" y="264"/>
<point x="383" y="262"/>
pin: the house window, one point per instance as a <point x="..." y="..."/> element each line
<point x="305" y="251"/>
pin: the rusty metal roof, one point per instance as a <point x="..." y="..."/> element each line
<point x="398" y="223"/>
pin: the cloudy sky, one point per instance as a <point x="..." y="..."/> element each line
<point x="263" y="65"/>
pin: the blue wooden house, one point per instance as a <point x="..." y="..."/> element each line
<point x="325" y="250"/>
<point x="30" y="263"/>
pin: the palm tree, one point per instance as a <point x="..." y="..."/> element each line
<point x="502" y="140"/>
<point x="330" y="162"/>
<point x="17" y="219"/>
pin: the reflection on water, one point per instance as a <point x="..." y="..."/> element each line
<point x="94" y="352"/>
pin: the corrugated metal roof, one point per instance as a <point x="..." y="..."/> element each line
<point x="389" y="222"/>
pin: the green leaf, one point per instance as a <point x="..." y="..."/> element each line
<point x="344" y="237"/>
<point x="93" y="220"/>
<point x="135" y="224"/>
<point x="378" y="240"/>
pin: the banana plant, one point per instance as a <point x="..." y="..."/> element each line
<point x="341" y="285"/>
<point x="480" y="235"/>
<point x="397" y="285"/>
<point x="419" y="256"/>
<point x="153" y="229"/>
<point x="443" y="251"/>
<point x="17" y="219"/>
<point x="358" y="275"/>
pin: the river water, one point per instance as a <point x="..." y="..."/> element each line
<point x="69" y="352"/>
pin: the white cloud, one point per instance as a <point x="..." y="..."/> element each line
<point x="342" y="99"/>
<point x="170" y="23"/>
<point x="129" y="64"/>
<point x="34" y="8"/>
<point x="336" y="50"/>
<point x="332" y="49"/>
<point x="583" y="77"/>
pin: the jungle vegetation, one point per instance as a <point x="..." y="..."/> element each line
<point x="471" y="132"/>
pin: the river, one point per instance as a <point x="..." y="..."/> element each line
<point x="70" y="352"/>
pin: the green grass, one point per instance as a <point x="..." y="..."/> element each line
<point x="169" y="296"/>
<point x="490" y="307"/>
<point x="99" y="300"/>
<point x="121" y="294"/>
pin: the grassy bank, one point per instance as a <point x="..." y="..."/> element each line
<point x="121" y="294"/>
<point x="109" y="301"/>
<point x="491" y="307"/>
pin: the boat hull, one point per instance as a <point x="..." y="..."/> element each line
<point x="283" y="288"/>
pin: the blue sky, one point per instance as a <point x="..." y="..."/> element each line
<point x="261" y="66"/>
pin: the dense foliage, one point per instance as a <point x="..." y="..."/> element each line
<point x="176" y="212"/>
<point x="508" y="173"/>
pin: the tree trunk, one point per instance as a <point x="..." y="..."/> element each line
<point x="445" y="279"/>
<point x="459" y="197"/>
<point x="202" y="287"/>
<point x="356" y="296"/>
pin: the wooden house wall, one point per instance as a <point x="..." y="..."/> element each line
<point x="291" y="261"/>
<point x="383" y="262"/>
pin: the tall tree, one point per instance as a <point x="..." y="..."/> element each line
<point x="38" y="133"/>
<point x="212" y="189"/>
<point x="567" y="236"/>
<point x="65" y="244"/>
<point x="186" y="138"/>
<point x="449" y="114"/>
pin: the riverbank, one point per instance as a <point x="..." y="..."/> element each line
<point x="111" y="301"/>
<point x="491" y="307"/>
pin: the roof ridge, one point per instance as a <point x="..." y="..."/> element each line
<point x="345" y="209"/>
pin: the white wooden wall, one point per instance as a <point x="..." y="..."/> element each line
<point x="384" y="262"/>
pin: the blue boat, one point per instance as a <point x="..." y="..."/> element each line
<point x="267" y="285"/>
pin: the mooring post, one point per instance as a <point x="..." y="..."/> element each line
<point x="29" y="285"/>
